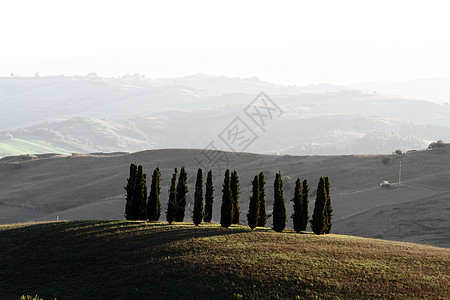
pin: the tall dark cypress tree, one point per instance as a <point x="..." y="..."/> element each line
<point x="226" y="210"/>
<point x="154" y="204"/>
<point x="235" y="191"/>
<point x="129" y="188"/>
<point x="139" y="197"/>
<point x="182" y="190"/>
<point x="319" y="218"/>
<point x="198" y="202"/>
<point x="253" y="208"/>
<point x="262" y="216"/>
<point x="279" y="208"/>
<point x="305" y="202"/>
<point x="298" y="206"/>
<point x="143" y="210"/>
<point x="209" y="198"/>
<point x="172" y="205"/>
<point x="329" y="209"/>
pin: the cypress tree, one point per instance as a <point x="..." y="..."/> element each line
<point x="262" y="216"/>
<point x="182" y="190"/>
<point x="209" y="198"/>
<point x="253" y="208"/>
<point x="319" y="218"/>
<point x="129" y="188"/>
<point x="329" y="209"/>
<point x="305" y="202"/>
<point x="139" y="196"/>
<point x="279" y="208"/>
<point x="198" y="202"/>
<point x="226" y="210"/>
<point x="143" y="210"/>
<point x="298" y="206"/>
<point x="154" y="204"/>
<point x="235" y="191"/>
<point x="172" y="205"/>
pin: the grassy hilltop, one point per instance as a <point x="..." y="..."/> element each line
<point x="138" y="260"/>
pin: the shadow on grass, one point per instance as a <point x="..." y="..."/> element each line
<point x="139" y="260"/>
<point x="92" y="259"/>
<point x="116" y="259"/>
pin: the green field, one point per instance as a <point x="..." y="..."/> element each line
<point x="138" y="260"/>
<point x="21" y="146"/>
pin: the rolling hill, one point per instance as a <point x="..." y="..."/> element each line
<point x="334" y="134"/>
<point x="138" y="260"/>
<point x="47" y="187"/>
<point x="92" y="114"/>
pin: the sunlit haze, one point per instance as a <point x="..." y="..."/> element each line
<point x="289" y="42"/>
<point x="224" y="149"/>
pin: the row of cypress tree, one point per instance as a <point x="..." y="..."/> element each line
<point x="177" y="198"/>
<point x="257" y="217"/>
<point x="323" y="212"/>
<point x="138" y="207"/>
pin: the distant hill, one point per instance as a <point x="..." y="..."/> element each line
<point x="92" y="114"/>
<point x="138" y="260"/>
<point x="228" y="85"/>
<point x="30" y="101"/>
<point x="45" y="187"/>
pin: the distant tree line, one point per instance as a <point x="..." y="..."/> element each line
<point x="438" y="144"/>
<point x="140" y="206"/>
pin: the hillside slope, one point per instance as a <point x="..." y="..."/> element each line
<point x="45" y="187"/>
<point x="138" y="260"/>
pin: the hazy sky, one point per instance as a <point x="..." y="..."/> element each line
<point x="289" y="42"/>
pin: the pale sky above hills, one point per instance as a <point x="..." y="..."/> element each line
<point x="288" y="42"/>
